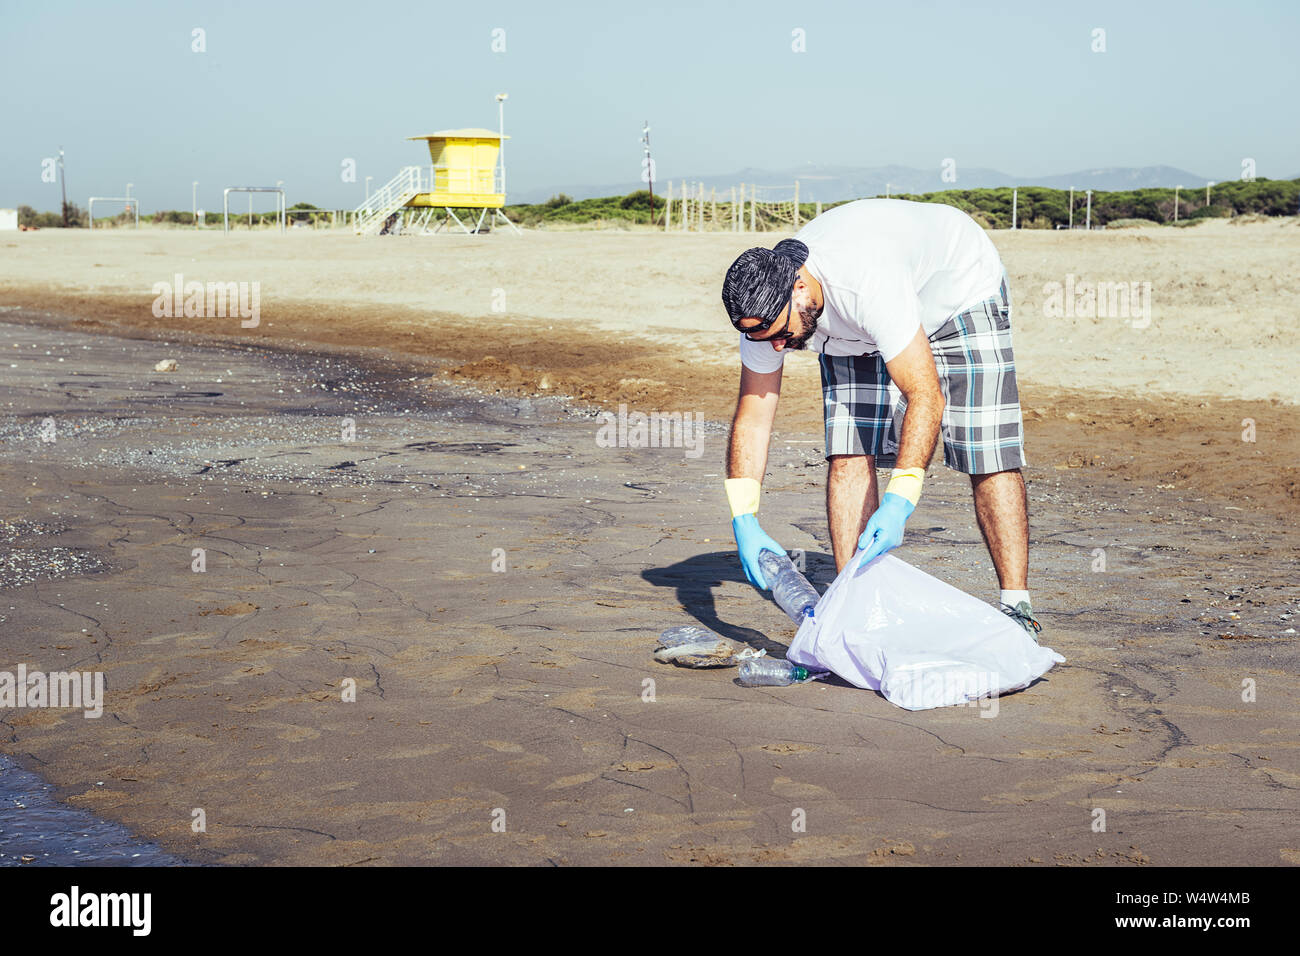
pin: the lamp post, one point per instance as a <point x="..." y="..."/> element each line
<point x="194" y="202"/>
<point x="1176" y="188"/>
<point x="501" y="130"/>
<point x="650" y="171"/>
<point x="1088" y="221"/>
<point x="1207" y="192"/>
<point x="63" y="180"/>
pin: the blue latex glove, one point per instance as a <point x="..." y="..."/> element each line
<point x="884" y="528"/>
<point x="750" y="540"/>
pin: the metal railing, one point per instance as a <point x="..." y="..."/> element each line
<point x="387" y="199"/>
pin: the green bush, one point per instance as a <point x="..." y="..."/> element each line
<point x="27" y="216"/>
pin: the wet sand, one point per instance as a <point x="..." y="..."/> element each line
<point x="522" y="690"/>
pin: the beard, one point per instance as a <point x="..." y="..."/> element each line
<point x="810" y="317"/>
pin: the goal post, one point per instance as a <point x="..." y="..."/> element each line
<point x="132" y="203"/>
<point x="225" y="202"/>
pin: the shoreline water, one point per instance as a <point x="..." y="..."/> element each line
<point x="37" y="829"/>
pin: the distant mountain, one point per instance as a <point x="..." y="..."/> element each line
<point x="835" y="183"/>
<point x="1119" y="177"/>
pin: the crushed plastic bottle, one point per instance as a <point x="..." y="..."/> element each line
<point x="695" y="646"/>
<point x="691" y="640"/>
<point x="687" y="634"/>
<point x="773" y="672"/>
<point x="790" y="589"/>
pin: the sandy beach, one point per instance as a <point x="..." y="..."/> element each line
<point x="492" y="579"/>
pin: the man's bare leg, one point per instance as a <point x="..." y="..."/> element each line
<point x="851" y="498"/>
<point x="1002" y="510"/>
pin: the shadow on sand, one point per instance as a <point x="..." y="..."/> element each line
<point x="696" y="578"/>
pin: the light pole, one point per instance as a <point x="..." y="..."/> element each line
<point x="886" y="190"/>
<point x="194" y="202"/>
<point x="1088" y="222"/>
<point x="1207" y="192"/>
<point x="1071" y="226"/>
<point x="649" y="170"/>
<point x="63" y="179"/>
<point x="1176" y="188"/>
<point x="501" y="129"/>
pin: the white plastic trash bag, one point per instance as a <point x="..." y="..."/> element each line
<point x="920" y="642"/>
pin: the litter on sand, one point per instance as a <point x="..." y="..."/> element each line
<point x="693" y="646"/>
<point x="920" y="642"/>
<point x="884" y="626"/>
<point x="774" y="672"/>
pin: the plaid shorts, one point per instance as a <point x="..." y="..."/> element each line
<point x="982" y="429"/>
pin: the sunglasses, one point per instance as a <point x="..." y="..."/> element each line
<point x="767" y="324"/>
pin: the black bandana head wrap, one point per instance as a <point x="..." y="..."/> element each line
<point x="759" y="282"/>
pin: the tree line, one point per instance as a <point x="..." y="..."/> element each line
<point x="1037" y="207"/>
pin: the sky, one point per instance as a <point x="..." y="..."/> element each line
<point x="292" y="91"/>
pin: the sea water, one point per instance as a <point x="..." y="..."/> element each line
<point x="36" y="829"/>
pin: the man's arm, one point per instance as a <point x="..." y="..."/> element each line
<point x="913" y="371"/>
<point x="751" y="426"/>
<point x="751" y="431"/>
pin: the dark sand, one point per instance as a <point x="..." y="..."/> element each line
<point x="523" y="690"/>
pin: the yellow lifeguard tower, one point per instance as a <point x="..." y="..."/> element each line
<point x="464" y="173"/>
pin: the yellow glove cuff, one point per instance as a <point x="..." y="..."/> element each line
<point x="742" y="494"/>
<point x="906" y="483"/>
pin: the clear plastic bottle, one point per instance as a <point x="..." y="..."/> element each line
<point x="772" y="672"/>
<point x="790" y="589"/>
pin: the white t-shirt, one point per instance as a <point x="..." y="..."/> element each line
<point x="887" y="267"/>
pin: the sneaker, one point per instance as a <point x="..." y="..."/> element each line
<point x="1023" y="615"/>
